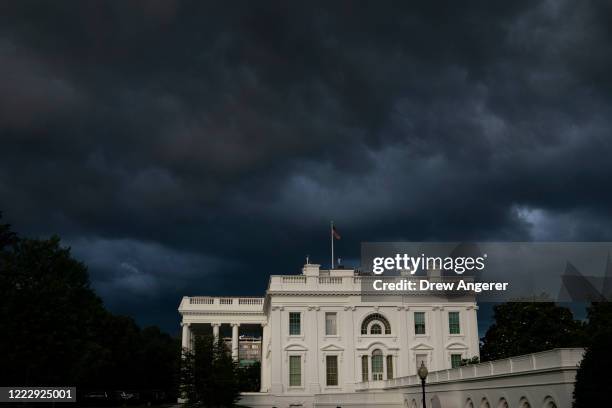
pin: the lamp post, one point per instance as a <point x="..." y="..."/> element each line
<point x="423" y="375"/>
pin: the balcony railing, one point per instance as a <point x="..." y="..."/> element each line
<point x="203" y="303"/>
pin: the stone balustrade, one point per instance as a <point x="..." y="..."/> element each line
<point x="546" y="360"/>
<point x="208" y="303"/>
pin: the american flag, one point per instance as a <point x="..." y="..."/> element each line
<point x="335" y="233"/>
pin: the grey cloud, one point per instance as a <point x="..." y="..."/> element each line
<point x="210" y="132"/>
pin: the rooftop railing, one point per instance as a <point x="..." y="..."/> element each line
<point x="222" y="303"/>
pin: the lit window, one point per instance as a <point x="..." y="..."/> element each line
<point x="453" y="323"/>
<point x="332" y="370"/>
<point x="330" y="324"/>
<point x="376" y="329"/>
<point x="295" y="371"/>
<point x="294" y="324"/>
<point x="419" y="322"/>
<point x="377" y="365"/>
<point x="455" y="360"/>
<point x="389" y="367"/>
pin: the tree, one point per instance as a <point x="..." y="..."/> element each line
<point x="249" y="377"/>
<point x="208" y="374"/>
<point x="48" y="313"/>
<point x="196" y="371"/>
<point x="529" y="327"/>
<point x="56" y="331"/>
<point x="593" y="377"/>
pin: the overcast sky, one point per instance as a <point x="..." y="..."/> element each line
<point x="196" y="148"/>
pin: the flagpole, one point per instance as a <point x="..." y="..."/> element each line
<point x="331" y="235"/>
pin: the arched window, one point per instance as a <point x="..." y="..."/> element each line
<point x="379" y="319"/>
<point x="377" y="365"/>
<point x="524" y="403"/>
<point x="549" y="402"/>
<point x="503" y="403"/>
<point x="375" y="329"/>
<point x="484" y="403"/>
<point x="469" y="403"/>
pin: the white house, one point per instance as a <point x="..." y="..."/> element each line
<point x="321" y="338"/>
<point x="326" y="345"/>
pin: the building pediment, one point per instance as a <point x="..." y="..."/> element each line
<point x="457" y="345"/>
<point x="295" y="347"/>
<point x="421" y="346"/>
<point x="332" y="347"/>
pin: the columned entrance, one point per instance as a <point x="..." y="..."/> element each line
<point x="239" y="322"/>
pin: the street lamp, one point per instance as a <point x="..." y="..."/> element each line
<point x="423" y="375"/>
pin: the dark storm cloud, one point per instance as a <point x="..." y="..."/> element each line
<point x="221" y="138"/>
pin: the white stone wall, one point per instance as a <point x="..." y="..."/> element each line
<point x="349" y="344"/>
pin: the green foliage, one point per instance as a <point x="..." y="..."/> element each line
<point x="529" y="327"/>
<point x="209" y="376"/>
<point x="593" y="378"/>
<point x="56" y="331"/>
<point x="249" y="377"/>
<point x="470" y="361"/>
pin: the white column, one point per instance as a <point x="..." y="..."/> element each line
<point x="348" y="333"/>
<point x="186" y="338"/>
<point x="473" y="340"/>
<point x="310" y="329"/>
<point x="402" y="313"/>
<point x="276" y="373"/>
<point x="438" y="338"/>
<point x="215" y="327"/>
<point x="264" y="359"/>
<point x="186" y="345"/>
<point x="235" y="327"/>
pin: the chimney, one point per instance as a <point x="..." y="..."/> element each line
<point x="311" y="269"/>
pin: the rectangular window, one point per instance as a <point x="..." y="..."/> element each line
<point x="295" y="328"/>
<point x="295" y="371"/>
<point x="419" y="322"/>
<point x="364" y="368"/>
<point x="330" y="324"/>
<point x="389" y="367"/>
<point x="453" y="323"/>
<point x="455" y="360"/>
<point x="332" y="370"/>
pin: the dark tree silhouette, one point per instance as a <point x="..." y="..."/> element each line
<point x="56" y="331"/>
<point x="529" y="327"/>
<point x="209" y="376"/>
<point x="593" y="378"/>
<point x="249" y="377"/>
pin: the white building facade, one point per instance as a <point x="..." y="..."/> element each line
<point x="320" y="337"/>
